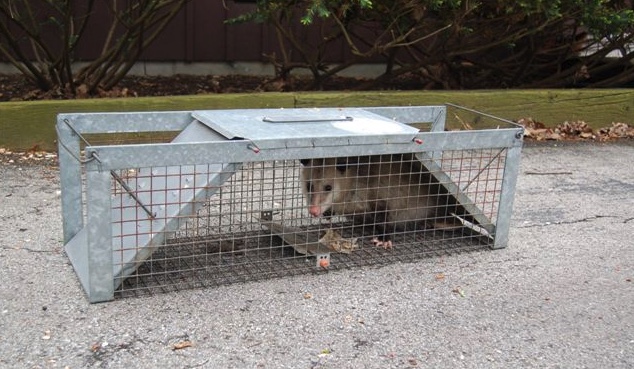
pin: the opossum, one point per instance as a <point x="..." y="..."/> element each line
<point x="388" y="192"/>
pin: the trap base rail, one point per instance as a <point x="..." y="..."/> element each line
<point x="227" y="139"/>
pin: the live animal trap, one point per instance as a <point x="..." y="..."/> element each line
<point x="164" y="201"/>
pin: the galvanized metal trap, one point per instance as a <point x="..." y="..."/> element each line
<point x="164" y="201"/>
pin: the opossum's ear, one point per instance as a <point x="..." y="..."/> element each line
<point x="304" y="161"/>
<point x="342" y="164"/>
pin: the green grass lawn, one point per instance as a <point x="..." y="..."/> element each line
<point x="26" y="124"/>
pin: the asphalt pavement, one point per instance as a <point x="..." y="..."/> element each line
<point x="560" y="295"/>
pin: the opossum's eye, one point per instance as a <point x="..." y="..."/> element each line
<point x="327" y="188"/>
<point x="341" y="167"/>
<point x="309" y="187"/>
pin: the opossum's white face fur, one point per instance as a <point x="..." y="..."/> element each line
<point x="322" y="184"/>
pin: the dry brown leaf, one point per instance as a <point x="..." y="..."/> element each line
<point x="333" y="241"/>
<point x="181" y="345"/>
<point x="530" y="123"/>
<point x="617" y="130"/>
<point x="571" y="130"/>
<point x="574" y="129"/>
<point x="82" y="92"/>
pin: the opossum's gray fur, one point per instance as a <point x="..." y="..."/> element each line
<point x="388" y="192"/>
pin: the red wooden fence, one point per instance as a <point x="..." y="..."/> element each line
<point x="197" y="34"/>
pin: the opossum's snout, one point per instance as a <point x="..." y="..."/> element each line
<point x="320" y="201"/>
<point x="315" y="210"/>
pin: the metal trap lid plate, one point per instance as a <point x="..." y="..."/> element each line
<point x="315" y="124"/>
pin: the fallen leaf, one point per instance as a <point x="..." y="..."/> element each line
<point x="181" y="345"/>
<point x="530" y="123"/>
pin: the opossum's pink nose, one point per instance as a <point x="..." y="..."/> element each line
<point x="314" y="210"/>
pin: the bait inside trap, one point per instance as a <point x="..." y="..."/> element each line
<point x="165" y="201"/>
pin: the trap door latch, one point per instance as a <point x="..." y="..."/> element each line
<point x="306" y="119"/>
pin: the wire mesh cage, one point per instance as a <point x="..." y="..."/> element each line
<point x="175" y="200"/>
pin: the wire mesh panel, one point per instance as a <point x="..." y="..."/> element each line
<point x="349" y="188"/>
<point x="231" y="238"/>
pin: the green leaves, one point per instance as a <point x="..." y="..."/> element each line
<point x="312" y="9"/>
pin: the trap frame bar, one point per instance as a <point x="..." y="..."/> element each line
<point x="86" y="179"/>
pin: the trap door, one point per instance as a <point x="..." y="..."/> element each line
<point x="457" y="195"/>
<point x="176" y="191"/>
<point x="277" y="128"/>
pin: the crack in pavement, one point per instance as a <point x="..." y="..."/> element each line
<point x="28" y="249"/>
<point x="582" y="220"/>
